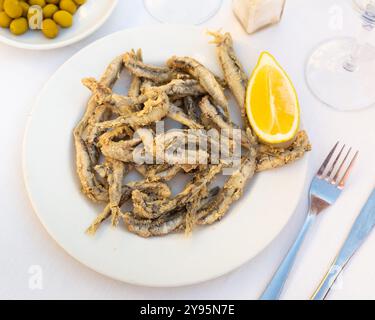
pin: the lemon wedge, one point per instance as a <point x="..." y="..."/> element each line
<point x="272" y="103"/>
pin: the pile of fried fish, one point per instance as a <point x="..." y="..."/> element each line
<point x="187" y="92"/>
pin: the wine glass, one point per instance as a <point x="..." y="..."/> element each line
<point x="182" y="11"/>
<point x="341" y="71"/>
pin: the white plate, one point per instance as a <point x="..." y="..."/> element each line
<point x="87" y="20"/>
<point x="174" y="260"/>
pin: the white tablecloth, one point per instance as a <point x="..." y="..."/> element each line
<point x="26" y="248"/>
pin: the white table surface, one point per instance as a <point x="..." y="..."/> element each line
<point x="24" y="243"/>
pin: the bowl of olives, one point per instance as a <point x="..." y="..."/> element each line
<point x="50" y="24"/>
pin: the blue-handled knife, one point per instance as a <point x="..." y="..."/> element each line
<point x="362" y="227"/>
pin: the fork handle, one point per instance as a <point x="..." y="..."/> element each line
<point x="276" y="285"/>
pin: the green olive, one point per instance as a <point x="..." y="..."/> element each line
<point x="63" y="18"/>
<point x="19" y="26"/>
<point x="12" y="8"/>
<point x="50" y="28"/>
<point x="53" y="1"/>
<point x="80" y="2"/>
<point x="49" y="10"/>
<point x="41" y="3"/>
<point x="25" y="8"/>
<point x="5" y="20"/>
<point x="68" y="5"/>
<point x="1" y="5"/>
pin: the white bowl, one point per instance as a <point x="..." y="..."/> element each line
<point x="87" y="19"/>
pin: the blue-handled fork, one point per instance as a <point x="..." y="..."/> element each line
<point x="325" y="188"/>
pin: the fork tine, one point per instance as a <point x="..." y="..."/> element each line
<point x="339" y="170"/>
<point x="342" y="182"/>
<point x="326" y="161"/>
<point x="329" y="173"/>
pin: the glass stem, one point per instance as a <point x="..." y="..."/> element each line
<point x="368" y="24"/>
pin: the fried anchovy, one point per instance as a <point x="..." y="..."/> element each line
<point x="155" y="109"/>
<point x="135" y="84"/>
<point x="213" y="114"/>
<point x="115" y="177"/>
<point x="118" y="105"/>
<point x="112" y="72"/>
<point x="231" y="192"/>
<point x="154" y="209"/>
<point x="90" y="185"/>
<point x="94" y="226"/>
<point x="177" y="89"/>
<point x="120" y="150"/>
<point x="205" y="78"/>
<point x="270" y="157"/>
<point x="173" y="147"/>
<point x="177" y="114"/>
<point x="161" y="226"/>
<point x="233" y="70"/>
<point x="159" y="189"/>
<point x="102" y="113"/>
<point x="142" y="70"/>
<point x="104" y="94"/>
<point x="86" y="153"/>
<point x="119" y="133"/>
<point x="197" y="204"/>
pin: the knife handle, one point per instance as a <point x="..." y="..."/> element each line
<point x="327" y="282"/>
<point x="351" y="245"/>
